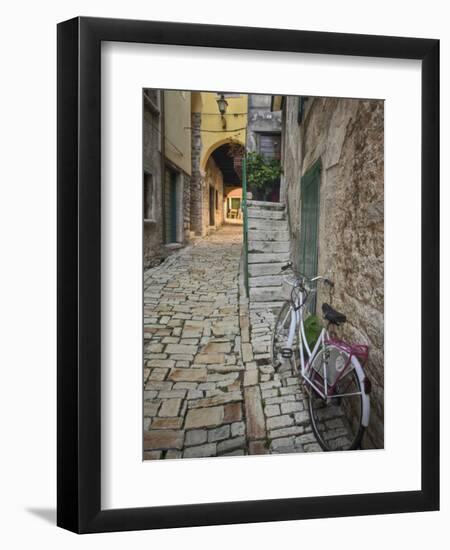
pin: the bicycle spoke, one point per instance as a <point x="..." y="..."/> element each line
<point x="336" y="421"/>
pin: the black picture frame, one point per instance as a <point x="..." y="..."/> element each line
<point x="79" y="281"/>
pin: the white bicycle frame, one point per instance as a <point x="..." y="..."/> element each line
<point x="296" y="312"/>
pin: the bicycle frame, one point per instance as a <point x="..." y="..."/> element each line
<point x="357" y="354"/>
<point x="297" y="311"/>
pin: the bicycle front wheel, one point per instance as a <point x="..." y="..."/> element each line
<point x="280" y="340"/>
<point x="337" y="420"/>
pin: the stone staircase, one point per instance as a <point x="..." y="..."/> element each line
<point x="268" y="251"/>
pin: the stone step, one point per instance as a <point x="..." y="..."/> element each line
<point x="258" y="258"/>
<point x="266" y="214"/>
<point x="267" y="294"/>
<point x="268" y="247"/>
<point x="268" y="236"/>
<point x="266" y="306"/>
<point x="265" y="280"/>
<point x="267" y="225"/>
<point x="256" y="270"/>
<point x="265" y="205"/>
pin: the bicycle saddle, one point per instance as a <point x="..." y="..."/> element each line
<point x="332" y="315"/>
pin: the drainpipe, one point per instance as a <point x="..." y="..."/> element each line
<point x="244" y="212"/>
<point x="244" y="202"/>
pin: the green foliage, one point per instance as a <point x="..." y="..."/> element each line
<point x="261" y="174"/>
<point x="313" y="326"/>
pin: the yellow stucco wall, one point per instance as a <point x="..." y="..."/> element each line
<point x="177" y="115"/>
<point x="212" y="134"/>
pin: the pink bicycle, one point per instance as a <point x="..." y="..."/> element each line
<point x="332" y="371"/>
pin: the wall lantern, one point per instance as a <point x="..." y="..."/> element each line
<point x="222" y="103"/>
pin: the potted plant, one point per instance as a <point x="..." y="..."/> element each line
<point x="263" y="175"/>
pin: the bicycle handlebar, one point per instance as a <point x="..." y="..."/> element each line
<point x="324" y="279"/>
<point x="302" y="277"/>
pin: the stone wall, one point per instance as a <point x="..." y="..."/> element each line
<point x="153" y="229"/>
<point x="186" y="208"/>
<point x="261" y="119"/>
<point x="196" y="205"/>
<point x="291" y="154"/>
<point x="348" y="136"/>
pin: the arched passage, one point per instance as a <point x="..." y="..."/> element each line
<point x="228" y="160"/>
<point x="217" y="145"/>
<point x="216" y="175"/>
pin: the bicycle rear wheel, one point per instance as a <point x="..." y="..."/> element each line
<point x="336" y="421"/>
<point x="280" y="339"/>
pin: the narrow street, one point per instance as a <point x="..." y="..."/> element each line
<point x="207" y="390"/>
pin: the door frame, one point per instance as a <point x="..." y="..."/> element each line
<point x="178" y="180"/>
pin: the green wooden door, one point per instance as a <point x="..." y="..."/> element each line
<point x="310" y="193"/>
<point x="171" y="206"/>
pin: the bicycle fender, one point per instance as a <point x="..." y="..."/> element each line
<point x="365" y="396"/>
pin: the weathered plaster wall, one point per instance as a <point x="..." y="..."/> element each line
<point x="348" y="135"/>
<point x="213" y="132"/>
<point x="177" y="120"/>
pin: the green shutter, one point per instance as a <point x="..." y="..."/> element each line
<point x="310" y="192"/>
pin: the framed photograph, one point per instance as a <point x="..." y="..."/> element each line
<point x="248" y="289"/>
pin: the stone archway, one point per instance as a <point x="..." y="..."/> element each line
<point x="216" y="145"/>
<point x="212" y="168"/>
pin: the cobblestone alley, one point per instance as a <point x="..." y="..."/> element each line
<point x="209" y="387"/>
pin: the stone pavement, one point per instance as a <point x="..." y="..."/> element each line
<point x="209" y="387"/>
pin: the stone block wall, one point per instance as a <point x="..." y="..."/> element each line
<point x="153" y="229"/>
<point x="348" y="136"/>
<point x="261" y="119"/>
<point x="196" y="205"/>
<point x="186" y="208"/>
